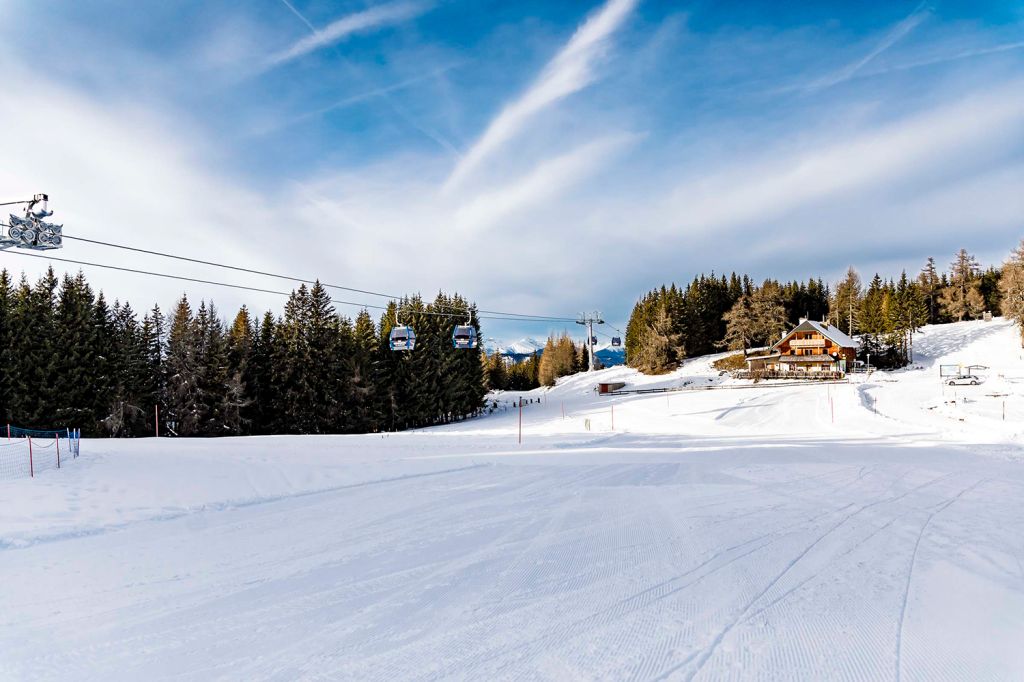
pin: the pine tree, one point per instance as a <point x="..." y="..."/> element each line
<point x="34" y="366"/>
<point x="496" y="372"/>
<point x="103" y="369"/>
<point x="154" y="390"/>
<point x="182" y="372"/>
<point x="241" y="342"/>
<point x="988" y="287"/>
<point x="1011" y="287"/>
<point x="558" y="360"/>
<point x="963" y="297"/>
<point x="7" y="362"/>
<point x="660" y="347"/>
<point x="739" y="326"/>
<point x="931" y="289"/>
<point x="845" y="303"/>
<point x="768" y="313"/>
<point x="128" y="413"/>
<point x="909" y="313"/>
<point x="873" y="322"/>
<point x="82" y="384"/>
<point x="362" y="375"/>
<point x="264" y="388"/>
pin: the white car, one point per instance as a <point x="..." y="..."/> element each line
<point x="965" y="380"/>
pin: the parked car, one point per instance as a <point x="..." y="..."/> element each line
<point x="965" y="380"/>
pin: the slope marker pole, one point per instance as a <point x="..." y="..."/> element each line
<point x="520" y="420"/>
<point x="31" y="466"/>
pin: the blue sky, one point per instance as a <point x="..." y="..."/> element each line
<point x="544" y="157"/>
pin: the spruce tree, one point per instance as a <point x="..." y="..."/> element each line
<point x="264" y="394"/>
<point x="127" y="414"/>
<point x="845" y="303"/>
<point x="1011" y="287"/>
<point x="34" y="364"/>
<point x="739" y="326"/>
<point x="931" y="289"/>
<point x="154" y="391"/>
<point x="7" y="364"/>
<point x="182" y="372"/>
<point x="82" y="384"/>
<point x="963" y="297"/>
<point x="241" y="342"/>
<point x="768" y="314"/>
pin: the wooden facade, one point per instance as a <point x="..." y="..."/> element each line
<point x="811" y="348"/>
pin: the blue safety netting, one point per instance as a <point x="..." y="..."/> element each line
<point x="26" y="452"/>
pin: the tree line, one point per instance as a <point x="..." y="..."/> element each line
<point x="713" y="313"/>
<point x="560" y="357"/>
<point x="68" y="358"/>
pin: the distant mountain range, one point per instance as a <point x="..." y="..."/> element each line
<point x="517" y="351"/>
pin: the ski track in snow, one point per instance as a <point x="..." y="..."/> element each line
<point x="910" y="571"/>
<point x="748" y="534"/>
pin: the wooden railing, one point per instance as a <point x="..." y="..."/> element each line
<point x="758" y="375"/>
<point x="807" y="343"/>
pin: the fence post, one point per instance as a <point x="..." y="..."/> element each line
<point x="56" y="440"/>
<point x="520" y="421"/>
<point x="8" y="433"/>
<point x="31" y="466"/>
<point x="156" y="411"/>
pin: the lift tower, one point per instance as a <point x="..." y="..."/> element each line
<point x="588" y="320"/>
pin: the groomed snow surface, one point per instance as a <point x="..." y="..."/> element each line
<point x="872" y="530"/>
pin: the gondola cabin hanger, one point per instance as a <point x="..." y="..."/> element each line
<point x="464" y="337"/>
<point x="402" y="336"/>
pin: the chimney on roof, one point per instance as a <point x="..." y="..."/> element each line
<point x="802" y="320"/>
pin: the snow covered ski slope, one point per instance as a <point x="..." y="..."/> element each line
<point x="871" y="530"/>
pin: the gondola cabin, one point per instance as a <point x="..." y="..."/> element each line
<point x="464" y="336"/>
<point x="402" y="337"/>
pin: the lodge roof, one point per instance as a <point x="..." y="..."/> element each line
<point x="826" y="330"/>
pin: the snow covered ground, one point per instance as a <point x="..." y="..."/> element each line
<point x="871" y="530"/>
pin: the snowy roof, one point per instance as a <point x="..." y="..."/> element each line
<point x="770" y="356"/>
<point x="826" y="330"/>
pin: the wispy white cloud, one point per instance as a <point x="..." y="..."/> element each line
<point x="340" y="29"/>
<point x="571" y="70"/>
<point x="893" y="36"/>
<point x="547" y="180"/>
<point x="946" y="58"/>
<point x="914" y="147"/>
<point x="352" y="100"/>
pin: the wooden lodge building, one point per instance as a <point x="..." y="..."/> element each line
<point x="810" y="349"/>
